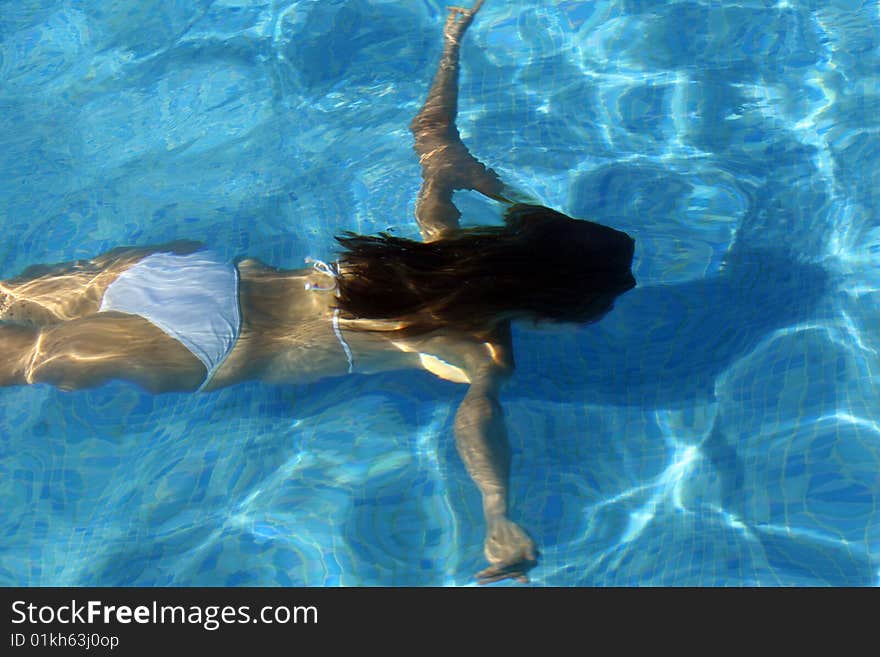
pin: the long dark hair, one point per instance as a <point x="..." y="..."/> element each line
<point x="540" y="264"/>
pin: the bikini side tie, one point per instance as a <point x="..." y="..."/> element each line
<point x="333" y="272"/>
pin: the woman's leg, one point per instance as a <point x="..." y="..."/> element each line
<point x="446" y="162"/>
<point x="16" y="349"/>
<point x="88" y="352"/>
<point x="51" y="330"/>
<point x="44" y="295"/>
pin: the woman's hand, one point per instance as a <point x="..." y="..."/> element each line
<point x="510" y="551"/>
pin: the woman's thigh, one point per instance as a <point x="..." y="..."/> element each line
<point x="92" y="350"/>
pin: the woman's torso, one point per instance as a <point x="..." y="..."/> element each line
<point x="288" y="336"/>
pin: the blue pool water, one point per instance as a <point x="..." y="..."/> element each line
<point x="720" y="427"/>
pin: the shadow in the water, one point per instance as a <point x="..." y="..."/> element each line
<point x="667" y="344"/>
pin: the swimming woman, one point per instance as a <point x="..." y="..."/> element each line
<point x="177" y="318"/>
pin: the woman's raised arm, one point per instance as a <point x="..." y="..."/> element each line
<point x="446" y="162"/>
